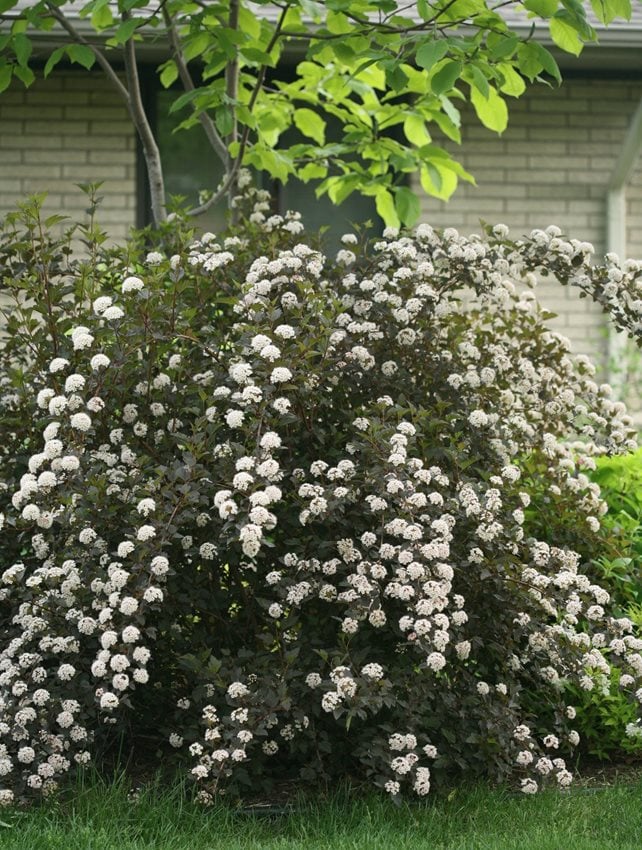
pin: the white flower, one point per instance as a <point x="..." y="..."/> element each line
<point x="270" y="440"/>
<point x="129" y="605"/>
<point x="80" y="421"/>
<point x="240" y="372"/>
<point x="101" y="304"/>
<point x="285" y="331"/>
<point x="146" y="532"/>
<point x="373" y="671"/>
<point x="113" y="313"/>
<point x="159" y="565"/>
<point x="58" y="364"/>
<point x="74" y="383"/>
<point x="109" y="701"/>
<point x="81" y="338"/>
<point x="478" y="419"/>
<point x="280" y="375"/>
<point x="146" y="506"/>
<point x="130" y="634"/>
<point x="237" y="690"/>
<point x="234" y="418"/>
<point x="31" y="512"/>
<point x="154" y="258"/>
<point x="26" y="755"/>
<point x="132" y="284"/>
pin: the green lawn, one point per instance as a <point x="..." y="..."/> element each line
<point x="104" y="819"/>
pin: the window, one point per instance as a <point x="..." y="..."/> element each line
<point x="191" y="166"/>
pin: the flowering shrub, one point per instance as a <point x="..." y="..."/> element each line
<point x="270" y="507"/>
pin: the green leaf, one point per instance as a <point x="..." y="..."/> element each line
<point x="196" y="46"/>
<point x="257" y="57"/>
<point x="438" y="181"/>
<point x="533" y="58"/>
<point x="102" y="16"/>
<point x="479" y="80"/>
<point x="430" y="53"/>
<point x="22" y="48"/>
<point x="25" y="75"/>
<point x="5" y="5"/>
<point x="407" y="206"/>
<point x="424" y="10"/>
<point x="607" y="11"/>
<point x="451" y="110"/>
<point x="565" y="36"/>
<point x="340" y="188"/>
<point x="415" y="131"/>
<point x="125" y="31"/>
<point x="513" y="84"/>
<point x="53" y="60"/>
<point x="385" y="205"/>
<point x="312" y="171"/>
<point x="81" y="54"/>
<point x="504" y="47"/>
<point x="169" y="74"/>
<point x="272" y="161"/>
<point x="224" y="120"/>
<point x="249" y="23"/>
<point x="396" y="78"/>
<point x="542" y="8"/>
<point x="5" y="77"/>
<point x="446" y="77"/>
<point x="183" y="100"/>
<point x="491" y="110"/>
<point x="310" y="124"/>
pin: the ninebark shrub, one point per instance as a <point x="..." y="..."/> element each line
<point x="297" y="515"/>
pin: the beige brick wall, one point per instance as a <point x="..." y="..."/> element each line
<point x="70" y="128"/>
<point x="551" y="166"/>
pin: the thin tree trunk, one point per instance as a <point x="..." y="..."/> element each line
<point x="150" y="147"/>
<point x="231" y="86"/>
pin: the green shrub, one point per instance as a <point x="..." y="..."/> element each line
<point x="267" y="506"/>
<point x="606" y="718"/>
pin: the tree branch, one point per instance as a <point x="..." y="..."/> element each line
<point x="188" y="84"/>
<point x="231" y="88"/>
<point x="221" y="191"/>
<point x="141" y="122"/>
<point x="100" y="57"/>
<point x="227" y="183"/>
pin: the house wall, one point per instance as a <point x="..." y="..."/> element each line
<point x="70" y="128"/>
<point x="551" y="166"/>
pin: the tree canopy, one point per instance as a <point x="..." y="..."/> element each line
<point x="388" y="72"/>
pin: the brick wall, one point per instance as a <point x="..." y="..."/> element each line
<point x="70" y="128"/>
<point x="551" y="166"/>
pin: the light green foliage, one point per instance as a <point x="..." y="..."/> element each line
<point x="603" y="714"/>
<point x="391" y="73"/>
